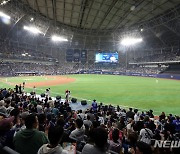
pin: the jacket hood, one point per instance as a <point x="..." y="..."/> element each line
<point x="27" y="133"/>
<point x="46" y="150"/>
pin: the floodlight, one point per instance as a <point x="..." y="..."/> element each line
<point x="131" y="41"/>
<point x="58" y="38"/>
<point x="4" y="15"/>
<point x="32" y="29"/>
<point x="32" y="19"/>
<point x="4" y="2"/>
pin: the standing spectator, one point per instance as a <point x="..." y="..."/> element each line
<point x="136" y="116"/>
<point x="94" y="105"/>
<point x="130" y="114"/>
<point x="29" y="140"/>
<point x="176" y="122"/>
<point x="23" y="84"/>
<point x="16" y="88"/>
<point x="146" y="134"/>
<point x="20" y="89"/>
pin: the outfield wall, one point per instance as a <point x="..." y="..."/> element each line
<point x="166" y="76"/>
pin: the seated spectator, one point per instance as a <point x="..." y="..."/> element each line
<point x="29" y="140"/>
<point x="141" y="148"/>
<point x="54" y="135"/>
<point x="78" y="133"/>
<point x="88" y="121"/>
<point x="2" y="107"/>
<point x="115" y="143"/>
<point x="6" y="134"/>
<point x="100" y="137"/>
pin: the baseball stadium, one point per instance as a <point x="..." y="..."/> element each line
<point x="90" y="76"/>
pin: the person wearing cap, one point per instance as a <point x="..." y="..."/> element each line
<point x="29" y="140"/>
<point x="6" y="133"/>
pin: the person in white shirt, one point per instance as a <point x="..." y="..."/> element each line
<point x="136" y="116"/>
<point x="130" y="126"/>
<point x="146" y="134"/>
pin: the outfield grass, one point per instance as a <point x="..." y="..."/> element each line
<point x="139" y="92"/>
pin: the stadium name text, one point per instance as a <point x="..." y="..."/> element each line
<point x="167" y="144"/>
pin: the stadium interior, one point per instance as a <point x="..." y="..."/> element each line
<point x="105" y="37"/>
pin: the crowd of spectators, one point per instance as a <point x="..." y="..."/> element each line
<point x="15" y="68"/>
<point x="30" y="125"/>
<point x="159" y="57"/>
<point x="10" y="52"/>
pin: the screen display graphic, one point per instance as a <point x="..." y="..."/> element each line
<point x="106" y="57"/>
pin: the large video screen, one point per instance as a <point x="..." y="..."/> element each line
<point x="107" y="57"/>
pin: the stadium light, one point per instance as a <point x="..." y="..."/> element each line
<point x="58" y="38"/>
<point x="32" y="29"/>
<point x="4" y="15"/>
<point x="131" y="41"/>
<point x="4" y="2"/>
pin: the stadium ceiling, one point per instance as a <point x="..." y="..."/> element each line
<point x="101" y="15"/>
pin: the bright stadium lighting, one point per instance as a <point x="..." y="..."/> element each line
<point x="4" y="2"/>
<point x="4" y="15"/>
<point x="32" y="19"/>
<point x="32" y="29"/>
<point x="58" y="38"/>
<point x="131" y="41"/>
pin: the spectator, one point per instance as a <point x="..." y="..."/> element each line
<point x="94" y="105"/>
<point x="78" y="133"/>
<point x="29" y="140"/>
<point x="2" y="107"/>
<point x="88" y="121"/>
<point x="115" y="143"/>
<point x="54" y="135"/>
<point x="100" y="137"/>
<point x="130" y="114"/>
<point x="6" y="133"/>
<point x="146" y="134"/>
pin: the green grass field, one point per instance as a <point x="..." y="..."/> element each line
<point x="138" y="92"/>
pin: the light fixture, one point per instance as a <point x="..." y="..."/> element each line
<point x="4" y="15"/>
<point x="58" y="38"/>
<point x="131" y="41"/>
<point x="32" y="19"/>
<point x="32" y="30"/>
<point x="4" y="2"/>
